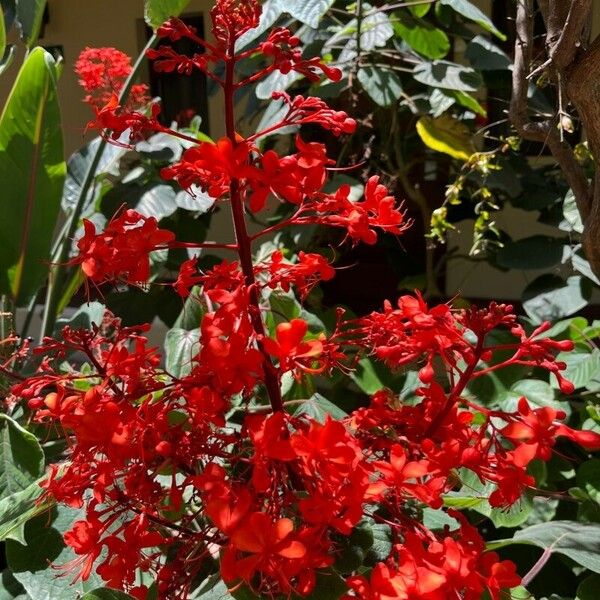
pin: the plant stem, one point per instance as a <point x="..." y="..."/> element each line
<point x="57" y="275"/>
<point x="244" y="242"/>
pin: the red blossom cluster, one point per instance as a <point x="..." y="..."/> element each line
<point x="178" y="470"/>
<point x="102" y="74"/>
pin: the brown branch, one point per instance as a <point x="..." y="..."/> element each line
<point x="563" y="51"/>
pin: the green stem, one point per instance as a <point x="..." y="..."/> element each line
<point x="57" y="275"/>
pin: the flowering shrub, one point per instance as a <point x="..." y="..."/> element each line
<point x="218" y="461"/>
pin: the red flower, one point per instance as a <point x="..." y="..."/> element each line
<point x="289" y="346"/>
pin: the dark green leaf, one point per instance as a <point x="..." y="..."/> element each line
<point x="30" y="564"/>
<point x="10" y="588"/>
<point x="318" y="407"/>
<point x="156" y="12"/>
<point x="421" y="36"/>
<point x="21" y="457"/>
<point x="17" y="509"/>
<point x="588" y="478"/>
<point x="33" y="169"/>
<point x="106" y="594"/>
<point x="535" y="252"/>
<point x="192" y="312"/>
<point x="420" y="10"/>
<point x="579" y="541"/>
<point x="589" y="588"/>
<point x="471" y="12"/>
<point x="181" y="346"/>
<point x="447" y="75"/>
<point x="382" y="84"/>
<point x="30" y="14"/>
<point x="549" y="297"/>
<point x="486" y="56"/>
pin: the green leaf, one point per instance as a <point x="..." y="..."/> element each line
<point x="467" y="101"/>
<point x="445" y="134"/>
<point x="156" y="12"/>
<point x="33" y="170"/>
<point x="77" y="168"/>
<point x="181" y="346"/>
<point x="10" y="588"/>
<point x="421" y="36"/>
<point x="2" y="34"/>
<point x="420" y="10"/>
<point x="582" y="367"/>
<point x="30" y="14"/>
<point x="549" y="297"/>
<point x="21" y="457"/>
<point x="572" y="219"/>
<point x="534" y="252"/>
<point x="106" y="594"/>
<point x="588" y="478"/>
<point x="366" y="377"/>
<point x="539" y="393"/>
<point x="17" y="509"/>
<point x="382" y="84"/>
<point x="486" y="56"/>
<point x="447" y="75"/>
<point x="578" y="541"/>
<point x="589" y="588"/>
<point x="30" y="564"/>
<point x="308" y="12"/>
<point x="318" y="407"/>
<point x="192" y="312"/>
<point x="471" y="12"/>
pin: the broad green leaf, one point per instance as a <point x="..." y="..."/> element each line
<point x="30" y="14"/>
<point x="181" y="346"/>
<point x="30" y="564"/>
<point x="21" y="457"/>
<point x="192" y="312"/>
<point x="84" y="317"/>
<point x="156" y="12"/>
<point x="438" y="519"/>
<point x="539" y="394"/>
<point x="420" y="35"/>
<point x="578" y="541"/>
<point x="106" y="594"/>
<point x="588" y="478"/>
<point x="589" y="588"/>
<point x="366" y="377"/>
<point x="319" y="408"/>
<point x="486" y="56"/>
<point x="549" y="297"/>
<point x="354" y="548"/>
<point x="447" y="75"/>
<point x="17" y="509"/>
<point x="471" y="12"/>
<point x="382" y="84"/>
<point x="420" y="10"/>
<point x="77" y="168"/>
<point x="535" y="252"/>
<point x="445" y="134"/>
<point x="474" y="496"/>
<point x="308" y="12"/>
<point x="33" y="170"/>
<point x="582" y="367"/>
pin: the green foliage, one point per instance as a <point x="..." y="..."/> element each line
<point x="32" y="165"/>
<point x="156" y="12"/>
<point x="44" y="545"/>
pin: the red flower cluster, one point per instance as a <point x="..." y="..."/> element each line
<point x="121" y="251"/>
<point x="211" y="461"/>
<point x="102" y="73"/>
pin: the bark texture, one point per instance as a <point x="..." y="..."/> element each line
<point x="573" y="65"/>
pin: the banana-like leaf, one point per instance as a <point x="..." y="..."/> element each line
<point x="30" y="14"/>
<point x="32" y="172"/>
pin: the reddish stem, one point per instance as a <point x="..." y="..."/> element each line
<point x="244" y="242"/>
